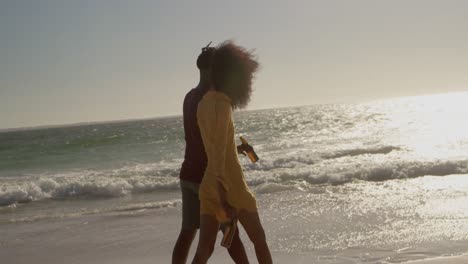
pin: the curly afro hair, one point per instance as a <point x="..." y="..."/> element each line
<point x="233" y="68"/>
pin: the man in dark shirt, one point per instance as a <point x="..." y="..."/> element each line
<point x="193" y="168"/>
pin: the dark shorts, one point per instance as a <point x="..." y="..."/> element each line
<point x="190" y="205"/>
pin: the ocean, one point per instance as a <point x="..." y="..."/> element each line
<point x="377" y="182"/>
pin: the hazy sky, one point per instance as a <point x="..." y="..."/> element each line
<point x="77" y="61"/>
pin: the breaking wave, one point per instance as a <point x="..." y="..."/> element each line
<point x="367" y="170"/>
<point x="358" y="151"/>
<point x="266" y="176"/>
<point x="91" y="184"/>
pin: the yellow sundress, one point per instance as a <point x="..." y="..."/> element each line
<point x="214" y="116"/>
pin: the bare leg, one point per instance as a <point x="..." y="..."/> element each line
<point x="182" y="246"/>
<point x="237" y="250"/>
<point x="252" y="225"/>
<point x="209" y="227"/>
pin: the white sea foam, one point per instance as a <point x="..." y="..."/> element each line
<point x="307" y="157"/>
<point x="274" y="187"/>
<point x="369" y="170"/>
<point x="99" y="184"/>
<point x="118" y="210"/>
<point x="266" y="176"/>
<point x="82" y="186"/>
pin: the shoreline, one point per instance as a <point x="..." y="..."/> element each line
<point x="460" y="259"/>
<point x="148" y="236"/>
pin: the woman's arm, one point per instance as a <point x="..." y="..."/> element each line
<point x="223" y="113"/>
<point x="229" y="210"/>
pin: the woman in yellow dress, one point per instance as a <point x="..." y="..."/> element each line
<point x="224" y="194"/>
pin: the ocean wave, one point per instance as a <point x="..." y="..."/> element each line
<point x="128" y="180"/>
<point x="283" y="162"/>
<point x="274" y="187"/>
<point x="362" y="151"/>
<point x="298" y="159"/>
<point x="266" y="177"/>
<point x="367" y="170"/>
<point x="49" y="188"/>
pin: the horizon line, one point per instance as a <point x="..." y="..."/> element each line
<point x="84" y="123"/>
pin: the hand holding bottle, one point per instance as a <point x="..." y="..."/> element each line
<point x="229" y="230"/>
<point x="248" y="150"/>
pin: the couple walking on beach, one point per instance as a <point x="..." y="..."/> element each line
<point x="211" y="179"/>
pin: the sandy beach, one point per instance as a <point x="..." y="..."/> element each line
<point x="146" y="236"/>
<point x="140" y="237"/>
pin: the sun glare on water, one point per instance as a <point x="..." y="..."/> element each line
<point x="433" y="126"/>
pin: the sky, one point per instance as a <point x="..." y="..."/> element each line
<point x="70" y="61"/>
